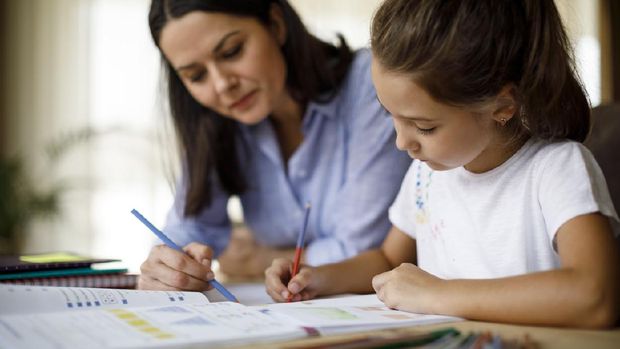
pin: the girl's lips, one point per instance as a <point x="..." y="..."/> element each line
<point x="244" y="102"/>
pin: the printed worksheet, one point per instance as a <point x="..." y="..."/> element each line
<point x="17" y="299"/>
<point x="210" y="324"/>
<point x="348" y="314"/>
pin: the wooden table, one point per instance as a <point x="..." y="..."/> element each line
<point x="544" y="337"/>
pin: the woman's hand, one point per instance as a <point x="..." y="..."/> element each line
<point x="408" y="288"/>
<point x="280" y="286"/>
<point x="169" y="269"/>
<point x="245" y="258"/>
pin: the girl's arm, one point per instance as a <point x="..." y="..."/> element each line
<point x="584" y="292"/>
<point x="353" y="275"/>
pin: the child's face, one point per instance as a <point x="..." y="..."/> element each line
<point x="443" y="136"/>
<point x="232" y="65"/>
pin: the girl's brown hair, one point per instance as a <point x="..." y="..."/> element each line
<point x="463" y="52"/>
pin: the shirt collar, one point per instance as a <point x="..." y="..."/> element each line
<point x="327" y="109"/>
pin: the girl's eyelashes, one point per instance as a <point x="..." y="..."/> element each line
<point x="425" y="131"/>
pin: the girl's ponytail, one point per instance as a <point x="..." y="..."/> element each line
<point x="553" y="101"/>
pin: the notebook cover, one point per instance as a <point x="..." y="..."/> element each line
<point x="47" y="261"/>
<point x="60" y="272"/>
<point x="128" y="281"/>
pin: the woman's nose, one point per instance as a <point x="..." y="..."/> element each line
<point x="223" y="81"/>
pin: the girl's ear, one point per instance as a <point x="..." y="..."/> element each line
<point x="277" y="25"/>
<point x="505" y="104"/>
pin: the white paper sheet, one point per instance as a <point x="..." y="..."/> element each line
<point x="16" y="299"/>
<point x="349" y="314"/>
<point x="214" y="324"/>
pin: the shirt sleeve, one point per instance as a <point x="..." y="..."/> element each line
<point x="210" y="227"/>
<point x="572" y="184"/>
<point x="375" y="169"/>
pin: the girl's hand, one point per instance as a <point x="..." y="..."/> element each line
<point x="302" y="287"/>
<point x="408" y="288"/>
<point x="168" y="269"/>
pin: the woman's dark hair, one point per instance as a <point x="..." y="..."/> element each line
<point x="315" y="70"/>
<point x="463" y="52"/>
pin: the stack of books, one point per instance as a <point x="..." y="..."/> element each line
<point x="64" y="269"/>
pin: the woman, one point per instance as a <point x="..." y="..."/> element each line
<point x="266" y="111"/>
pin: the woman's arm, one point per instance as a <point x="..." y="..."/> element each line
<point x="245" y="258"/>
<point x="584" y="292"/>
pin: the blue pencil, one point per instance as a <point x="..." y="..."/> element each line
<point x="218" y="286"/>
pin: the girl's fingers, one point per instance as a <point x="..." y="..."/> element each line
<point x="307" y="295"/>
<point x="379" y="280"/>
<point x="275" y="277"/>
<point x="300" y="281"/>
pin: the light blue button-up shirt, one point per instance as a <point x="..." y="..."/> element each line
<point x="347" y="167"/>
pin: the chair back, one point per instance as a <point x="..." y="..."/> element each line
<point x="604" y="143"/>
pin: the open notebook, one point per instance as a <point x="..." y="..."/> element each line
<point x="63" y="317"/>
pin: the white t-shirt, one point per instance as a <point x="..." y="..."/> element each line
<point x="502" y="222"/>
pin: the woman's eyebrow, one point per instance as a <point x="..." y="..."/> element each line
<point x="217" y="48"/>
<point x="222" y="41"/>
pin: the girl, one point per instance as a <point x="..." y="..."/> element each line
<point x="504" y="213"/>
<point x="267" y="111"/>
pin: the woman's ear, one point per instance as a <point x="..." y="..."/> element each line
<point x="505" y="104"/>
<point x="277" y="25"/>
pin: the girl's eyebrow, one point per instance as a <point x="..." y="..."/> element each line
<point x="413" y="117"/>
<point x="217" y="48"/>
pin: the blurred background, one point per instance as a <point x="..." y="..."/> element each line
<point x="84" y="136"/>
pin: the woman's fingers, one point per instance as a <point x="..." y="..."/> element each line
<point x="199" y="252"/>
<point x="174" y="269"/>
<point x="147" y="283"/>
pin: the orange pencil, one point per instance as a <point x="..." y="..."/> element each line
<point x="300" y="245"/>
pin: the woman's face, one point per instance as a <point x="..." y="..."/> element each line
<point x="232" y="65"/>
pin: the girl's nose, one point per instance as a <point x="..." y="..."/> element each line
<point x="405" y="142"/>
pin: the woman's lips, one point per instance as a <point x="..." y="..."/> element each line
<point x="244" y="102"/>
